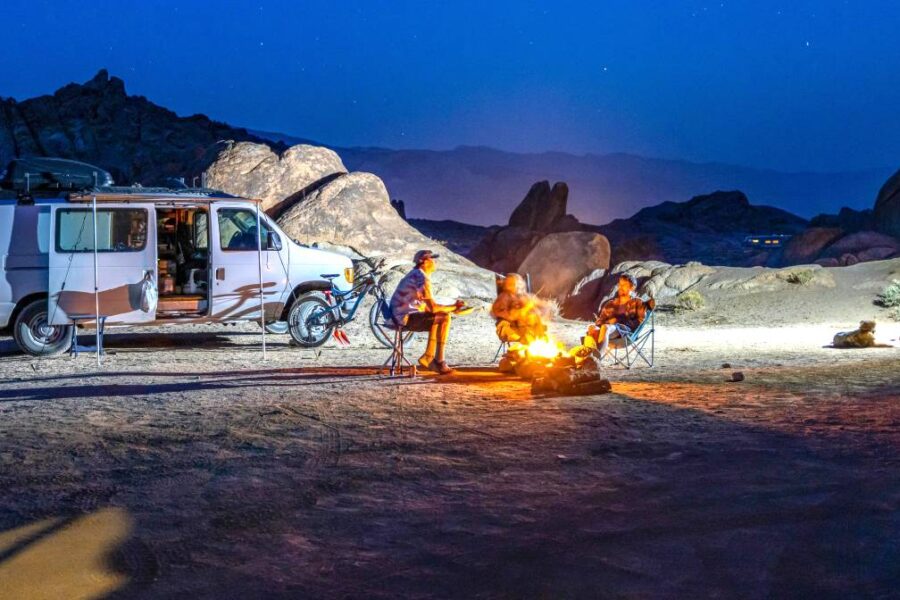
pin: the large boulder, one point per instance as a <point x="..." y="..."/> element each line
<point x="559" y="260"/>
<point x="864" y="246"/>
<point x="806" y="247"/>
<point x="887" y="206"/>
<point x="503" y="249"/>
<point x="255" y="171"/>
<point x="354" y="212"/>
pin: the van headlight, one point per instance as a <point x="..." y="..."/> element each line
<point x="348" y="274"/>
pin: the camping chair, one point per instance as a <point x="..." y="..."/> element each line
<point x="503" y="349"/>
<point x="630" y="346"/>
<point x="397" y="358"/>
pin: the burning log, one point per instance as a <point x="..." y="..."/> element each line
<point x="571" y="376"/>
<point x="553" y="371"/>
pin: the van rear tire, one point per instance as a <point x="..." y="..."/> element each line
<point x="35" y="337"/>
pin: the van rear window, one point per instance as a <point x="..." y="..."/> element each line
<point x="118" y="230"/>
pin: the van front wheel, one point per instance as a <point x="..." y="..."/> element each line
<point x="35" y="336"/>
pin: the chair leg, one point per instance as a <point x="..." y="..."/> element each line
<point x="394" y="363"/>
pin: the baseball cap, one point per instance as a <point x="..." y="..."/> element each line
<point x="422" y="255"/>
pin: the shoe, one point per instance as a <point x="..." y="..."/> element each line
<point x="441" y="368"/>
<point x="425" y="362"/>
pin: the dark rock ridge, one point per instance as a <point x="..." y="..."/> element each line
<point x="887" y="206"/>
<point x="99" y="123"/>
<point x="847" y="219"/>
<point x="851" y="236"/>
<point x="709" y="228"/>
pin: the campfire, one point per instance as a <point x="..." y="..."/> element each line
<point x="554" y="370"/>
<point x="532" y="353"/>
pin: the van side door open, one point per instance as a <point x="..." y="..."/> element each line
<point x="235" y="264"/>
<point x="126" y="254"/>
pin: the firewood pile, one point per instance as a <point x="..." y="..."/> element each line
<point x="573" y="373"/>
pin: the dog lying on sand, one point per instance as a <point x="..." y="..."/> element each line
<point x="864" y="337"/>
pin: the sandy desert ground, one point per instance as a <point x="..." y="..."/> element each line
<point x="185" y="466"/>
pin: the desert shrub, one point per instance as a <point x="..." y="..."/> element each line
<point x="690" y="300"/>
<point x="890" y="297"/>
<point x="799" y="277"/>
<point x="895" y="313"/>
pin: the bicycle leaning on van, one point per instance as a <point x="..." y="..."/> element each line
<point x="316" y="316"/>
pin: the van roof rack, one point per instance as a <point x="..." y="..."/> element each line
<point x="136" y="190"/>
<point x="42" y="174"/>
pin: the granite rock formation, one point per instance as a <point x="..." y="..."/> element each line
<point x="354" y="212"/>
<point x="255" y="171"/>
<point x="99" y="123"/>
<point x="709" y="228"/>
<point x="541" y="212"/>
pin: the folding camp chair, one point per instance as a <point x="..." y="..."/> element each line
<point x="630" y="346"/>
<point x="504" y="347"/>
<point x="394" y="363"/>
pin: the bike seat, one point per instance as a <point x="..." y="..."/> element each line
<point x="329" y="275"/>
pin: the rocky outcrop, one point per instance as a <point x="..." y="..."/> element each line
<point x="848" y="219"/>
<point x="709" y="228"/>
<point x="254" y="171"/>
<point x="559" y="260"/>
<point x="887" y="206"/>
<point x="656" y="279"/>
<point x="542" y="211"/>
<point x="830" y="247"/>
<point x="99" y="123"/>
<point x="354" y="212"/>
<point x="542" y="207"/>
<point x="808" y="245"/>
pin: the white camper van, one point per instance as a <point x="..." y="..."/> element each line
<point x="201" y="249"/>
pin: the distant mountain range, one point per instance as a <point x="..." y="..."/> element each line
<point x="139" y="141"/>
<point x="482" y="185"/>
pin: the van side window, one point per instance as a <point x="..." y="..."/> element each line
<point x="237" y="229"/>
<point x="118" y="230"/>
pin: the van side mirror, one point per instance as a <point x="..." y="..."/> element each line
<point x="273" y="241"/>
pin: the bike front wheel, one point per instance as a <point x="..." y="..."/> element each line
<point x="311" y="321"/>
<point x="384" y="335"/>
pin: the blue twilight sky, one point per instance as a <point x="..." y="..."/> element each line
<point x="803" y="84"/>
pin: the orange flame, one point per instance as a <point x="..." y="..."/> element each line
<point x="545" y="347"/>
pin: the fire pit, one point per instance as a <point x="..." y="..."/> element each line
<point x="553" y="370"/>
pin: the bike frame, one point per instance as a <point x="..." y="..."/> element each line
<point x="336" y="298"/>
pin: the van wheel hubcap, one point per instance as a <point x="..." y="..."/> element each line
<point x="43" y="332"/>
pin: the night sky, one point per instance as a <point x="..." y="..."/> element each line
<point x="791" y="85"/>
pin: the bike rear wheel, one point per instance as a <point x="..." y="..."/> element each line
<point x="384" y="335"/>
<point x="311" y="321"/>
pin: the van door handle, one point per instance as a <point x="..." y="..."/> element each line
<point x="220" y="274"/>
